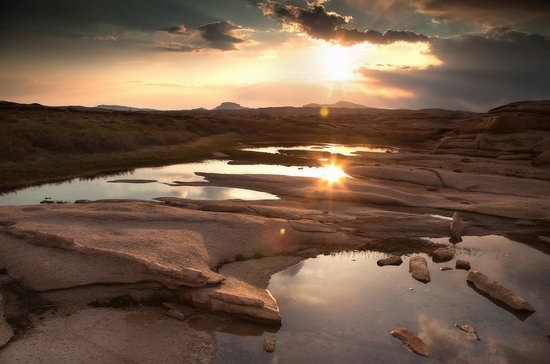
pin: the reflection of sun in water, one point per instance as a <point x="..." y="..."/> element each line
<point x="332" y="173"/>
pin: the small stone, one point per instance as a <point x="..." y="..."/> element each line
<point x="463" y="264"/>
<point x="442" y="255"/>
<point x="391" y="260"/>
<point x="269" y="344"/>
<point x="469" y="329"/>
<point x="176" y="314"/>
<point x="419" y="269"/>
<point x="410" y="340"/>
<point x="446" y="268"/>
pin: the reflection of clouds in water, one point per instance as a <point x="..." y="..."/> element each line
<point x="293" y="270"/>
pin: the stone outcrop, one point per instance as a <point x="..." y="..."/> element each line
<point x="499" y="293"/>
<point x="413" y="342"/>
<point x="419" y="269"/>
<point x="456" y="227"/>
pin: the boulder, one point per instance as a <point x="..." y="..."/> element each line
<point x="442" y="255"/>
<point x="542" y="159"/>
<point x="410" y="340"/>
<point x="269" y="344"/>
<point x="499" y="293"/>
<point x="419" y="269"/>
<point x="6" y="332"/>
<point x="391" y="260"/>
<point x="456" y="227"/>
<point x="463" y="264"/>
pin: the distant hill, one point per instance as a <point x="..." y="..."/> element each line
<point x="122" y="108"/>
<point x="338" y="105"/>
<point x="230" y="106"/>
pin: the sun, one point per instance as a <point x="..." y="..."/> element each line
<point x="339" y="63"/>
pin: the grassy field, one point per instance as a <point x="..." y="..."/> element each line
<point x="41" y="144"/>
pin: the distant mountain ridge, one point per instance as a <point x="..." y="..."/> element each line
<point x="338" y="105"/>
<point x="230" y="106"/>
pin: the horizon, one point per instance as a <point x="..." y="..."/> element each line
<point x="173" y="55"/>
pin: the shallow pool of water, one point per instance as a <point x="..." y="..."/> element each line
<point x="348" y="150"/>
<point x="101" y="188"/>
<point x="341" y="309"/>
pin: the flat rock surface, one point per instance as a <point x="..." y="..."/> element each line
<point x="410" y="340"/>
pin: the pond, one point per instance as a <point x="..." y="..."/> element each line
<point x="158" y="180"/>
<point x="347" y="150"/>
<point x="341" y="308"/>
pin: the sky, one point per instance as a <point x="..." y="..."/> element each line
<point x="183" y="54"/>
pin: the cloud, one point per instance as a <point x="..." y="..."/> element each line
<point x="106" y="38"/>
<point x="478" y="71"/>
<point x="319" y="23"/>
<point x="222" y="35"/>
<point x="176" y="29"/>
<point x="490" y="12"/>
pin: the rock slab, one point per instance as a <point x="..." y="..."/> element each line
<point x="392" y="260"/>
<point x="498" y="292"/>
<point x="410" y="340"/>
<point x="419" y="269"/>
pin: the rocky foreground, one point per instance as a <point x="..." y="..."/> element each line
<point x="66" y="268"/>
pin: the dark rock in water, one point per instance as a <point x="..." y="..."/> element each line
<point x="498" y="292"/>
<point x="463" y="264"/>
<point x="393" y="260"/>
<point x="82" y="201"/>
<point x="412" y="341"/>
<point x="469" y="329"/>
<point x="47" y="202"/>
<point x="446" y="268"/>
<point x="269" y="344"/>
<point x="6" y="332"/>
<point x="456" y="227"/>
<point x="419" y="269"/>
<point x="442" y="255"/>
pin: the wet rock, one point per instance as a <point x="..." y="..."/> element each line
<point x="6" y="332"/>
<point x="410" y="340"/>
<point x="269" y="344"/>
<point x="544" y="239"/>
<point x="469" y="329"/>
<point x="446" y="268"/>
<point x="392" y="260"/>
<point x="456" y="227"/>
<point x="419" y="269"/>
<point x="542" y="159"/>
<point x="442" y="255"/>
<point x="463" y="264"/>
<point x="498" y="292"/>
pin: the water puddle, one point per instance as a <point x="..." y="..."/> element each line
<point x="101" y="188"/>
<point x="341" y="309"/>
<point x="347" y="150"/>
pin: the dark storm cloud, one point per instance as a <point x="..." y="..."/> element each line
<point x="319" y="23"/>
<point x="478" y="71"/>
<point x="176" y="29"/>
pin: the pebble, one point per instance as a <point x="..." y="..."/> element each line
<point x="269" y="344"/>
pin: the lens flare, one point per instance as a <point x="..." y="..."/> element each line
<point x="324" y="112"/>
